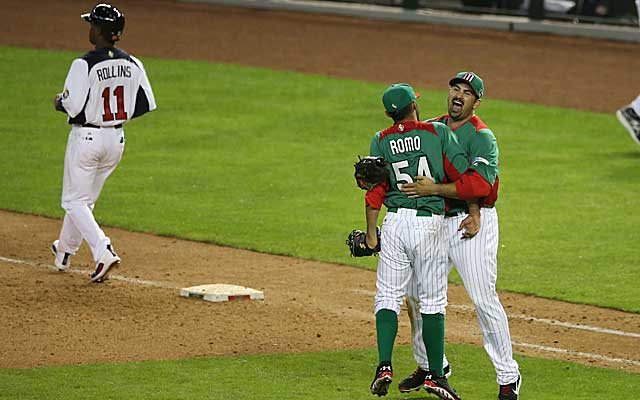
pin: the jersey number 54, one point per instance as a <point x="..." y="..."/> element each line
<point x="401" y="177"/>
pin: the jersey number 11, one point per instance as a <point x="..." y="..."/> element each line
<point x="121" y="114"/>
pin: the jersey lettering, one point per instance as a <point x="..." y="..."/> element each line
<point x="404" y="144"/>
<point x="114" y="71"/>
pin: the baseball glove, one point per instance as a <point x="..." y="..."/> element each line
<point x="370" y="172"/>
<point x="357" y="242"/>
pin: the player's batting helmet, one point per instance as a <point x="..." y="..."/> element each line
<point x="107" y="17"/>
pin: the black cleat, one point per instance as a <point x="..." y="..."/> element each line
<point x="439" y="386"/>
<point x="415" y="381"/>
<point x="382" y="380"/>
<point x="510" y="391"/>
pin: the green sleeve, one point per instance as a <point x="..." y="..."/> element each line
<point x="375" y="149"/>
<point x="483" y="153"/>
<point x="452" y="151"/>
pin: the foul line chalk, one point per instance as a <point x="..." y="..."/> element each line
<point x="114" y="277"/>
<point x="576" y="353"/>
<point x="370" y="293"/>
<point x="213" y="293"/>
<point x="554" y="322"/>
<point x="358" y="291"/>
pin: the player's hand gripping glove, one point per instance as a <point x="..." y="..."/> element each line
<point x="370" y="172"/>
<point x="357" y="242"/>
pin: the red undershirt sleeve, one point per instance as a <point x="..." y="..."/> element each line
<point x="375" y="197"/>
<point x="472" y="185"/>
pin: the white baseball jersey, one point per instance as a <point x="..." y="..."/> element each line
<point x="104" y="89"/>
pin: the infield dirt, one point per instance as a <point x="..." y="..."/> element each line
<point x="54" y="318"/>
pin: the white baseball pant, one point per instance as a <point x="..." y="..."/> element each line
<point x="476" y="262"/>
<point x="412" y="245"/>
<point x="92" y="155"/>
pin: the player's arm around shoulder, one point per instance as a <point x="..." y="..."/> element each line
<point x="454" y="162"/>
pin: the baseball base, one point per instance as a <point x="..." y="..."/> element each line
<point x="221" y="292"/>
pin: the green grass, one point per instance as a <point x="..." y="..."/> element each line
<point x="322" y="376"/>
<point x="262" y="160"/>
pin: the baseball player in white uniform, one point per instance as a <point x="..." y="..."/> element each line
<point x="629" y="117"/>
<point x="104" y="89"/>
<point x="474" y="258"/>
<point x="412" y="232"/>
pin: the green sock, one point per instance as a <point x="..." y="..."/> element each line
<point x="433" y="336"/>
<point x="386" y="330"/>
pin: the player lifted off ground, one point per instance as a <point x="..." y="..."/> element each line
<point x="104" y="89"/>
<point x="412" y="232"/>
<point x="474" y="258"/>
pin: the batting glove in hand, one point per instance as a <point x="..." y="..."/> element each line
<point x="357" y="243"/>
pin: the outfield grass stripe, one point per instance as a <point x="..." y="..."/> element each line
<point x="576" y="353"/>
<point x="82" y="272"/>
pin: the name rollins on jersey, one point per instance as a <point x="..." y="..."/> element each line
<point x="114" y="71"/>
<point x="405" y="144"/>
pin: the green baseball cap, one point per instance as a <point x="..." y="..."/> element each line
<point x="472" y="80"/>
<point x="398" y="96"/>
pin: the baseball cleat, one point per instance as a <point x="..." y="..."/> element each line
<point x="382" y="380"/>
<point x="630" y="120"/>
<point x="510" y="391"/>
<point x="62" y="260"/>
<point x="415" y="381"/>
<point x="105" y="264"/>
<point x="439" y="386"/>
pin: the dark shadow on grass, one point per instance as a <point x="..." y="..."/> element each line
<point x="630" y="155"/>
<point x="405" y="396"/>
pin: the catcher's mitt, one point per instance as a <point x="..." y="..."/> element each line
<point x="357" y="242"/>
<point x="370" y="172"/>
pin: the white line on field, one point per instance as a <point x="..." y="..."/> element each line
<point x="84" y="272"/>
<point x="576" y="353"/>
<point x="535" y="319"/>
<point x="370" y="293"/>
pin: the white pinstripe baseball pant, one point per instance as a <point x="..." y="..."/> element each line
<point x="412" y="245"/>
<point x="476" y="262"/>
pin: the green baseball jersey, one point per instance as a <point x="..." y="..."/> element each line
<point x="415" y="148"/>
<point x="480" y="145"/>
